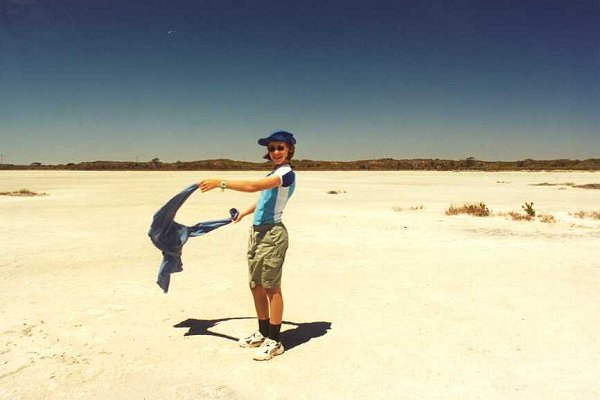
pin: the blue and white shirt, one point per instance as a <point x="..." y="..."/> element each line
<point x="272" y="201"/>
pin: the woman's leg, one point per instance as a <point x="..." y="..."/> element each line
<point x="272" y="346"/>
<point x="276" y="305"/>
<point x="261" y="302"/>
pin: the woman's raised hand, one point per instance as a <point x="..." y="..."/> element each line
<point x="208" y="184"/>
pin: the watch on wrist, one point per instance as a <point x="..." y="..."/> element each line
<point x="223" y="185"/>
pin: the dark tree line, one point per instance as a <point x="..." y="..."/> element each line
<point x="385" y="164"/>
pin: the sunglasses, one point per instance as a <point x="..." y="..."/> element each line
<point x="278" y="148"/>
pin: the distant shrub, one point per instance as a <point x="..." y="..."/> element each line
<point x="477" y="210"/>
<point x="588" y="186"/>
<point x="22" y="193"/>
<point x="571" y="184"/>
<point x="553" y="184"/>
<point x="519" y="217"/>
<point x="413" y="208"/>
<point x="547" y="218"/>
<point x="528" y="208"/>
<point x="586" y="214"/>
<point x="529" y="215"/>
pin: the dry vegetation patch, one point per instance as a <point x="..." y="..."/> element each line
<point x="553" y="184"/>
<point x="588" y="186"/>
<point x="586" y="214"/>
<point x="547" y="218"/>
<point x="412" y="208"/>
<point x="530" y="214"/>
<point x="477" y="210"/>
<point x="569" y="184"/>
<point x="481" y="210"/>
<point x="517" y="216"/>
<point x="23" y="193"/>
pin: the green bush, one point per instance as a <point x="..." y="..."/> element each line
<point x="528" y="208"/>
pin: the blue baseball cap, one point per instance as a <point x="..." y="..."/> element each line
<point x="278" y="136"/>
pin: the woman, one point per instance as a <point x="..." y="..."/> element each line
<point x="268" y="240"/>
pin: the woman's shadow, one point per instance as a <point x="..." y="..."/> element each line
<point x="302" y="332"/>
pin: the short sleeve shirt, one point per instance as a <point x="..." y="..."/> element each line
<point x="272" y="201"/>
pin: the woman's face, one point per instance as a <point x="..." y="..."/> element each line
<point x="278" y="151"/>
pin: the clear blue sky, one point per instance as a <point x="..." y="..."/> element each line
<point x="85" y="80"/>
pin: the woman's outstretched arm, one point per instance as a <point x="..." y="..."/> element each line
<point x="241" y="186"/>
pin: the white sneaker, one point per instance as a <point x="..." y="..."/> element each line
<point x="254" y="340"/>
<point x="268" y="350"/>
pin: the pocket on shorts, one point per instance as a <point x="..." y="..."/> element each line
<point x="278" y="236"/>
<point x="277" y="242"/>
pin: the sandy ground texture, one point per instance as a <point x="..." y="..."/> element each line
<point x="382" y="301"/>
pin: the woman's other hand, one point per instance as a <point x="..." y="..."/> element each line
<point x="238" y="218"/>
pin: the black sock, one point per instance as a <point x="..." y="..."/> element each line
<point x="274" y="332"/>
<point x="263" y="327"/>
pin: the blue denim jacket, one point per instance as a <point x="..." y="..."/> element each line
<point x="170" y="236"/>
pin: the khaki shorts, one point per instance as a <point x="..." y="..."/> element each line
<point x="266" y="253"/>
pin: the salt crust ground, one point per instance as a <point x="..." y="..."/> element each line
<point x="379" y="303"/>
